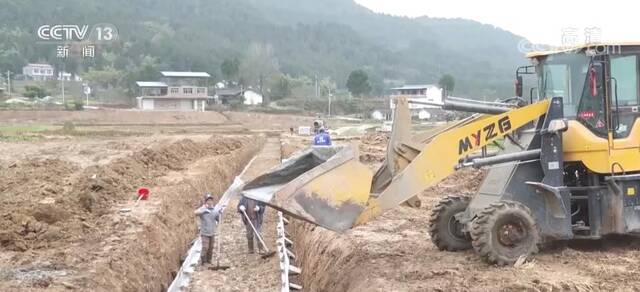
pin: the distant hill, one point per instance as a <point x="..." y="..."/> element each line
<point x="327" y="38"/>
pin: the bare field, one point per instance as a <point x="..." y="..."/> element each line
<point x="61" y="227"/>
<point x="112" y="116"/>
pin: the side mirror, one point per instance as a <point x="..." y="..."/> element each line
<point x="519" y="87"/>
<point x="558" y="125"/>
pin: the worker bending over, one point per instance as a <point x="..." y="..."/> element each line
<point x="255" y="212"/>
<point x="322" y="138"/>
<point x="209" y="217"/>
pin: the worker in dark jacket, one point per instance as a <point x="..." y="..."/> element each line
<point x="255" y="211"/>
<point x="209" y="216"/>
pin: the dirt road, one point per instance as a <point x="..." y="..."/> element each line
<point x="248" y="272"/>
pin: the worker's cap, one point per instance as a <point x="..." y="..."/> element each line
<point x="321" y="130"/>
<point x="208" y="196"/>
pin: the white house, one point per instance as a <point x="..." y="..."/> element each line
<point x="431" y="94"/>
<point x="177" y="91"/>
<point x="252" y="98"/>
<point x="66" y="76"/>
<point x="36" y="71"/>
<point x="421" y="93"/>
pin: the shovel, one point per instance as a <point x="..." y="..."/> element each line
<point x="267" y="253"/>
<point x="218" y="248"/>
<point x="143" y="194"/>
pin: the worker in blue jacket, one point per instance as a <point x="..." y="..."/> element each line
<point x="322" y="138"/>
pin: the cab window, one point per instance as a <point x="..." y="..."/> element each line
<point x="563" y="75"/>
<point x="591" y="110"/>
<point x="624" y="70"/>
<point x="624" y="85"/>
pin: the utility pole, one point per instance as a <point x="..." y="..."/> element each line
<point x="329" y="109"/>
<point x="316" y="85"/>
<point x="62" y="82"/>
<point x="9" y="82"/>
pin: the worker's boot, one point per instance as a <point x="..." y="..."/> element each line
<point x="260" y="249"/>
<point x="250" y="245"/>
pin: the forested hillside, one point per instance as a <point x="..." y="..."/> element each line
<point x="300" y="39"/>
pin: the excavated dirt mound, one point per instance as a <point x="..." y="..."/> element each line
<point x="33" y="178"/>
<point x="27" y="189"/>
<point x="373" y="147"/>
<point x="101" y="186"/>
<point x="37" y="194"/>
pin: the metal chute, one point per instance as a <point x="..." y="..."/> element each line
<point x="327" y="186"/>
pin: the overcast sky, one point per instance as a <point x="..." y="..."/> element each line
<point x="541" y="21"/>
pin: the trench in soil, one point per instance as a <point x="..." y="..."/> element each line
<point x="150" y="260"/>
<point x="98" y="248"/>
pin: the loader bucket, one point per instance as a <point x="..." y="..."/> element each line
<point x="327" y="186"/>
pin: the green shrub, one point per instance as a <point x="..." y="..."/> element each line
<point x="33" y="91"/>
<point x="74" y="105"/>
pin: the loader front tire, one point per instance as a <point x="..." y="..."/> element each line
<point x="445" y="230"/>
<point x="504" y="232"/>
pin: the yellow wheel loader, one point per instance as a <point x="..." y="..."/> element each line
<point x="562" y="164"/>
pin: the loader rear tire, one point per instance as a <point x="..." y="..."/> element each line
<point x="445" y="230"/>
<point x="504" y="232"/>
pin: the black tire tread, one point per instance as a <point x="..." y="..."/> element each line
<point x="437" y="212"/>
<point x="481" y="231"/>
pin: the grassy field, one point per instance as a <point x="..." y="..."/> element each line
<point x="25" y="132"/>
<point x="19" y="129"/>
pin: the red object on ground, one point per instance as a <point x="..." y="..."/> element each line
<point x="143" y="193"/>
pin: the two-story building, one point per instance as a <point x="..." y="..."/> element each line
<point x="36" y="71"/>
<point x="420" y="93"/>
<point x="176" y="91"/>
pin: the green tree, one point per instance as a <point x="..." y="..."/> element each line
<point x="280" y="86"/>
<point x="447" y="82"/>
<point x="11" y="60"/>
<point x="106" y="78"/>
<point x="230" y="69"/>
<point x="358" y="83"/>
<point x="258" y="64"/>
<point x="33" y="91"/>
<point x="327" y="86"/>
<point x="148" y="70"/>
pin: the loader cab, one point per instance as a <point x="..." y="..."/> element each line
<point x="599" y="86"/>
<point x="600" y="91"/>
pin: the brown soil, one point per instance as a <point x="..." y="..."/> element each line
<point x="269" y="121"/>
<point x="373" y="147"/>
<point x="61" y="229"/>
<point x="112" y="116"/>
<point x="61" y="225"/>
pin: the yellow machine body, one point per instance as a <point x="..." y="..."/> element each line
<point x="602" y="155"/>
